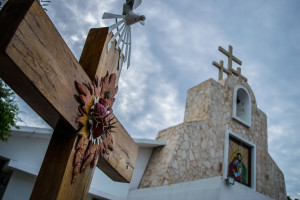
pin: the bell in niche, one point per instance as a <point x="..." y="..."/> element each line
<point x="238" y="100"/>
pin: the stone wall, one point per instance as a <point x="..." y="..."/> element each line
<point x="161" y="157"/>
<point x="270" y="179"/>
<point x="194" y="156"/>
<point x="198" y="102"/>
<point x="195" y="148"/>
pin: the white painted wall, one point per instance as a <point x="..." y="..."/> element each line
<point x="103" y="186"/>
<point x="20" y="186"/>
<point x="212" y="188"/>
<point x="26" y="149"/>
<point x="143" y="158"/>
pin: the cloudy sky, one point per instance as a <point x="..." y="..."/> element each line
<point x="174" y="52"/>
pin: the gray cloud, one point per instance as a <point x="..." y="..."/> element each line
<point x="174" y="52"/>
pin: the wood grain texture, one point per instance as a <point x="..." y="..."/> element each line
<point x="37" y="64"/>
<point x="93" y="49"/>
<point x="54" y="179"/>
<point x="120" y="163"/>
<point x="100" y="63"/>
<point x="109" y="60"/>
<point x="38" y="52"/>
<point x="8" y="12"/>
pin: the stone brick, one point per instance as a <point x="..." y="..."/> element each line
<point x="195" y="148"/>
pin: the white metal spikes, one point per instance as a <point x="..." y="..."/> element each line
<point x="111" y="16"/>
<point x="122" y="29"/>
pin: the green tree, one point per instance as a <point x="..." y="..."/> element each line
<point x="8" y="111"/>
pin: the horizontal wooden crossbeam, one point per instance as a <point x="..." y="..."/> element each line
<point x="38" y="65"/>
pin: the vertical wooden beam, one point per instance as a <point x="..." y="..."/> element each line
<point x="58" y="161"/>
<point x="93" y="49"/>
<point x="54" y="179"/>
<point x="119" y="165"/>
<point x="96" y="59"/>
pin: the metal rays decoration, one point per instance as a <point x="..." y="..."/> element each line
<point x="45" y="3"/>
<point x="123" y="29"/>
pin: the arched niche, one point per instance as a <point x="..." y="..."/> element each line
<point x="242" y="106"/>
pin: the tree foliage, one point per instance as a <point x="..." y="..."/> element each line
<point x="8" y="111"/>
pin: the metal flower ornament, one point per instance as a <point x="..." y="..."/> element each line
<point x="123" y="28"/>
<point x="97" y="99"/>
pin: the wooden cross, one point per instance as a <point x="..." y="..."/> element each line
<point x="229" y="70"/>
<point x="221" y="69"/>
<point x="38" y="65"/>
<point x="230" y="56"/>
<point x="238" y="73"/>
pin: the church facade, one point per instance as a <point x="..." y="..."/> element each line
<point x="223" y="140"/>
<point x="221" y="124"/>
